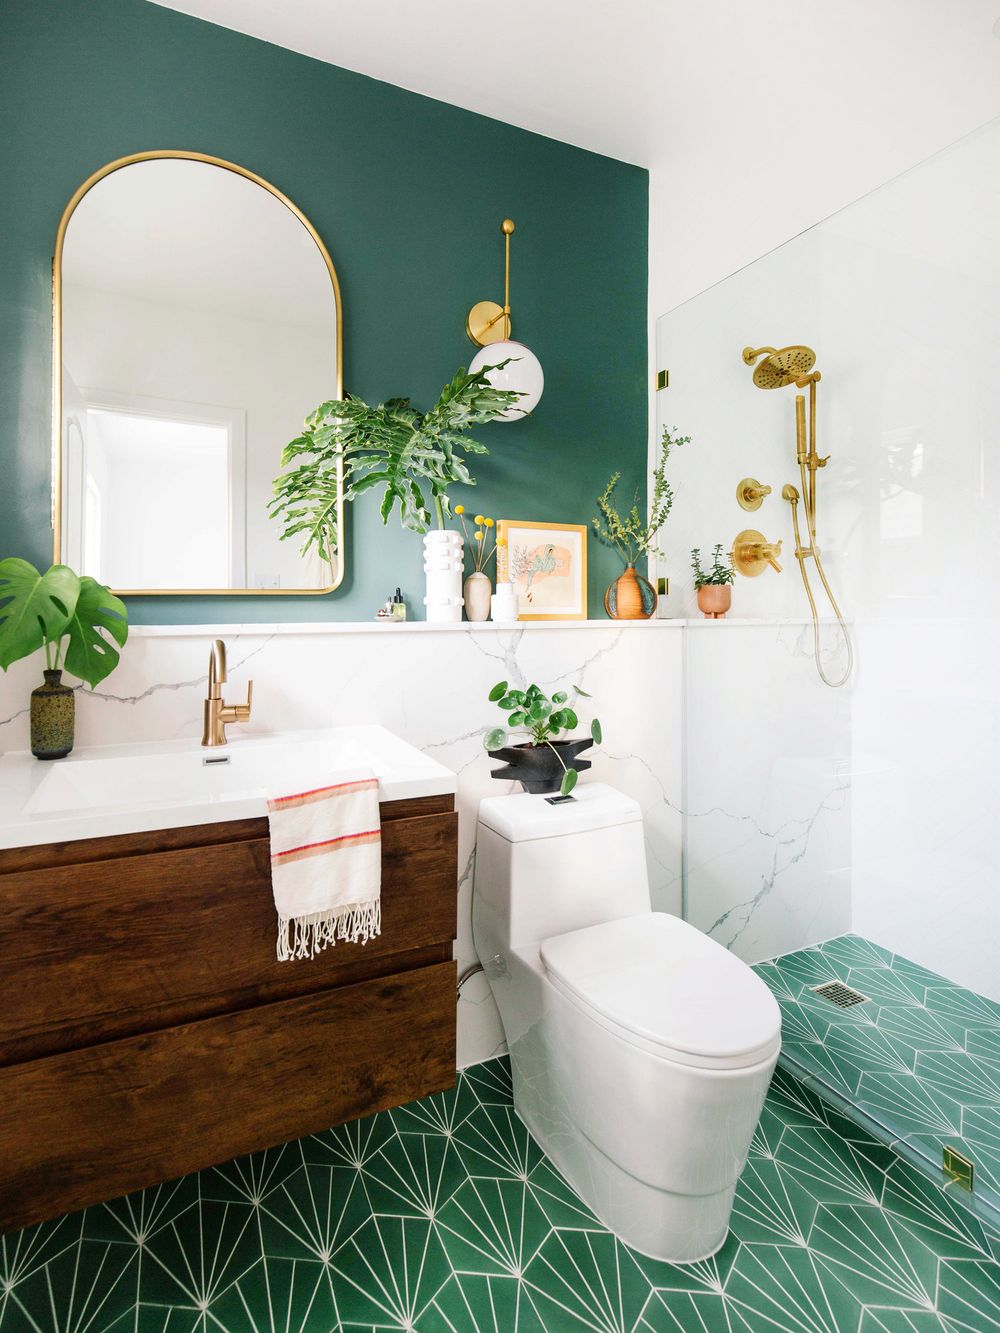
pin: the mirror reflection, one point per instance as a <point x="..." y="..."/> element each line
<point x="199" y="327"/>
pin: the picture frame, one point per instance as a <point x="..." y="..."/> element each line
<point x="547" y="563"/>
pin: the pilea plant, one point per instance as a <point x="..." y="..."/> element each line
<point x="718" y="573"/>
<point x="544" y="720"/>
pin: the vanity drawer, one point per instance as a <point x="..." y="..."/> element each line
<point x="105" y="948"/>
<point x="93" y="1124"/>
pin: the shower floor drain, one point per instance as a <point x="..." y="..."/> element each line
<point x="844" y="997"/>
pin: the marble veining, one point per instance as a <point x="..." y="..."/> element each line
<point x="759" y="837"/>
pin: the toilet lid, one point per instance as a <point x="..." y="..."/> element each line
<point x="665" y="985"/>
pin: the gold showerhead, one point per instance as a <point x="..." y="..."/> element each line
<point x="779" y="367"/>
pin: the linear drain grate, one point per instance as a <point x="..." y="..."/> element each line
<point x="839" y="994"/>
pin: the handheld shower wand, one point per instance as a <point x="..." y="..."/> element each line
<point x="780" y="367"/>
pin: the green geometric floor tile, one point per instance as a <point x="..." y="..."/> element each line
<point x="491" y="1226"/>
<point x="85" y="1287"/>
<point x="389" y="1272"/>
<point x="473" y="1303"/>
<point x="196" y="1257"/>
<point x="313" y="1213"/>
<point x="785" y="1286"/>
<point x="875" y="1256"/>
<point x="278" y="1296"/>
<point x="969" y="1294"/>
<point x="587" y="1280"/>
<point x="920" y="1059"/>
<point x="444" y="1216"/>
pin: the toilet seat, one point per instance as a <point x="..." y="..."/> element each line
<point x="662" y="985"/>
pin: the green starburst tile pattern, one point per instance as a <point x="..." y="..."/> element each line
<point x="920" y="1060"/>
<point x="444" y="1217"/>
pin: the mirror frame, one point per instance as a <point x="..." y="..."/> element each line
<point x="57" y="372"/>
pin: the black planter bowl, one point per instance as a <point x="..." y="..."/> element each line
<point x="536" y="767"/>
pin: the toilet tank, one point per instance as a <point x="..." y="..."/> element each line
<point x="543" y="869"/>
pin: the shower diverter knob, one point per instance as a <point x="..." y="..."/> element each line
<point x="752" y="553"/>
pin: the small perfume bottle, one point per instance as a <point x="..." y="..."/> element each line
<point x="398" y="606"/>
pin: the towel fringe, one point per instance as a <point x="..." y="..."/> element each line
<point x="306" y="936"/>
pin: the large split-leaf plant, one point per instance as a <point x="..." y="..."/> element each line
<point x="415" y="456"/>
<point x="78" y="621"/>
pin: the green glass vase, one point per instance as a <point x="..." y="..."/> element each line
<point x="53" y="708"/>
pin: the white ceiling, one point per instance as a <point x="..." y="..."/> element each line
<point x="730" y="103"/>
<point x="631" y="78"/>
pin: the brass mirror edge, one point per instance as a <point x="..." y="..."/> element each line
<point x="55" y="502"/>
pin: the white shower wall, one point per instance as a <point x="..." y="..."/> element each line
<point x="900" y="296"/>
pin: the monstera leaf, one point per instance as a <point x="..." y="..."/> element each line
<point x="99" y="622"/>
<point x="34" y="608"/>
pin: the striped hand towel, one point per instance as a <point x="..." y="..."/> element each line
<point x="326" y="864"/>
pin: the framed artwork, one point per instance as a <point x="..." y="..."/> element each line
<point x="547" y="563"/>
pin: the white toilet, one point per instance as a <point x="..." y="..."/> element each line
<point x="641" y="1050"/>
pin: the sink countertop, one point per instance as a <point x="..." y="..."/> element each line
<point x="101" y="791"/>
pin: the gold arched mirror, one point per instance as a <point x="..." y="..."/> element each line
<point x="196" y="321"/>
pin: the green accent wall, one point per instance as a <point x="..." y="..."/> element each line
<point x="407" y="193"/>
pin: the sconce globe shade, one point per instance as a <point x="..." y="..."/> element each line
<point x="523" y="373"/>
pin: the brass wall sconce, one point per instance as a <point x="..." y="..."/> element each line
<point x="750" y="494"/>
<point x="489" y="326"/>
<point x="752" y="553"/>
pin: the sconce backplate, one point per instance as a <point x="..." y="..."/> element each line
<point x="486" y="323"/>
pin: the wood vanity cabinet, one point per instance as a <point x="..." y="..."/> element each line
<point x="147" y="1030"/>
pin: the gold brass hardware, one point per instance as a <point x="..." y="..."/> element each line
<point x="662" y="379"/>
<point x="958" y="1168"/>
<point x="488" y="322"/>
<point x="750" y="493"/>
<point x="58" y="554"/>
<point x="775" y="368"/>
<point x="752" y="553"/>
<point x="217" y="712"/>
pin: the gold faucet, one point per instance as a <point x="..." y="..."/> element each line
<point x="217" y="712"/>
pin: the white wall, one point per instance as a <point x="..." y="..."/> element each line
<point x="900" y="297"/>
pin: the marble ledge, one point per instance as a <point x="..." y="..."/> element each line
<point x="267" y="629"/>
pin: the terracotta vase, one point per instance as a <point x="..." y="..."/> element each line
<point x="630" y="597"/>
<point x="477" y="592"/>
<point x="714" y="600"/>
<point x="53" y="706"/>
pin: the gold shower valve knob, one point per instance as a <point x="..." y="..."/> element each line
<point x="752" y="553"/>
<point x="750" y="494"/>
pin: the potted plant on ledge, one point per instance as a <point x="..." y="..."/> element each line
<point x="632" y="597"/>
<point x="412" y="455"/>
<point x="713" y="585"/>
<point x="80" y="624"/>
<point x="544" y="762"/>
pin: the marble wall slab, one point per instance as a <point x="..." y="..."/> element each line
<point x="429" y="687"/>
<point x="767" y="790"/>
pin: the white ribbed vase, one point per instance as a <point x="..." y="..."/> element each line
<point x="444" y="562"/>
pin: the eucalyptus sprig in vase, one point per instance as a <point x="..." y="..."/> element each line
<point x="78" y="622"/>
<point x="632" y="597"/>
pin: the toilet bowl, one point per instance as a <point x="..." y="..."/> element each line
<point x="641" y="1050"/>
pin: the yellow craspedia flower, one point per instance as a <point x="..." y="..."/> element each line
<point x="479" y="536"/>
<point x="480" y="519"/>
<point x="489" y="523"/>
<point x="460" y="509"/>
<point x="501" y="541"/>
